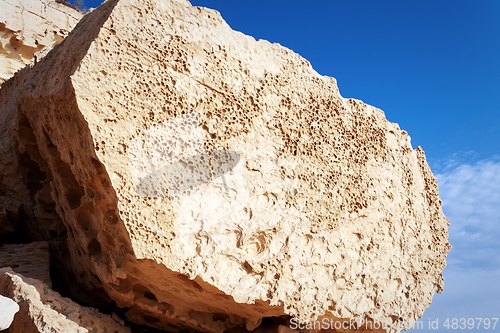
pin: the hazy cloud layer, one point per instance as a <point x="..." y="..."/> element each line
<point x="467" y="294"/>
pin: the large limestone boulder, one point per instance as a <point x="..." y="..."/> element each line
<point x="42" y="310"/>
<point x="208" y="180"/>
<point x="28" y="28"/>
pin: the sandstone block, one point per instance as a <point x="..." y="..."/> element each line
<point x="208" y="180"/>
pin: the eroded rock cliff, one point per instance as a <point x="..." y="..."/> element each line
<point x="208" y="180"/>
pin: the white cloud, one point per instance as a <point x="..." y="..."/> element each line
<point x="471" y="201"/>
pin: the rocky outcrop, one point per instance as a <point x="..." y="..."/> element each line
<point x="31" y="260"/>
<point x="44" y="310"/>
<point x="207" y="180"/>
<point x="29" y="29"/>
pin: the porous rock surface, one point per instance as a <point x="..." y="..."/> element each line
<point x="28" y="28"/>
<point x="43" y="310"/>
<point x="208" y="180"/>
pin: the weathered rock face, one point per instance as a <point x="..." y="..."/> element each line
<point x="43" y="310"/>
<point x="208" y="180"/>
<point x="28" y="28"/>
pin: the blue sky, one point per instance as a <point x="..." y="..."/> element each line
<point x="434" y="68"/>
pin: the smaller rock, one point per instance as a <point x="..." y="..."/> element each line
<point x="9" y="309"/>
<point x="43" y="310"/>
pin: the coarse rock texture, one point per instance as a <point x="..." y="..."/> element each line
<point x="208" y="180"/>
<point x="31" y="260"/>
<point x="43" y="310"/>
<point x="28" y="28"/>
<point x="9" y="309"/>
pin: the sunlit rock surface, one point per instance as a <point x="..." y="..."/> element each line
<point x="28" y="28"/>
